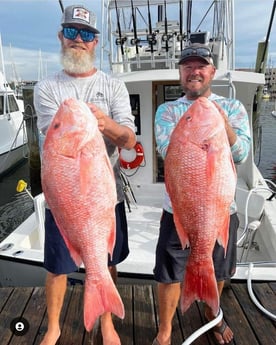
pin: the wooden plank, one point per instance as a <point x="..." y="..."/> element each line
<point x="139" y="326"/>
<point x="125" y="326"/>
<point x="233" y="315"/>
<point x="144" y="316"/>
<point x="13" y="308"/>
<point x="266" y="296"/>
<point x="191" y="321"/>
<point x="4" y="296"/>
<point x="33" y="313"/>
<point x="73" y="328"/>
<point x="256" y="329"/>
<point x="44" y="324"/>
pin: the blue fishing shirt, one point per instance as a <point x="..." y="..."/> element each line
<point x="169" y="113"/>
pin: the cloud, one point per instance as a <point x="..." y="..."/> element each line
<point x="28" y="64"/>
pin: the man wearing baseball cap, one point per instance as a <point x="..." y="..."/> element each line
<point x="108" y="99"/>
<point x="196" y="71"/>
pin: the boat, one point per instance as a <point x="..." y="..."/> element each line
<point x="13" y="137"/>
<point x="273" y="112"/>
<point x="143" y="44"/>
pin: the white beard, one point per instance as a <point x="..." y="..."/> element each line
<point x="77" y="61"/>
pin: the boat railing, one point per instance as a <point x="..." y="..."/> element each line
<point x="39" y="206"/>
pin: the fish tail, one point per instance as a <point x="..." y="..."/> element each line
<point x="99" y="298"/>
<point x="200" y="284"/>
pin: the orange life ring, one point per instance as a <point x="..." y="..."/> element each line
<point x="131" y="159"/>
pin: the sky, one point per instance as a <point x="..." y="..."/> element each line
<point x="31" y="48"/>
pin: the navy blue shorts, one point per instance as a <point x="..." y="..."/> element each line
<point x="57" y="258"/>
<point x="170" y="258"/>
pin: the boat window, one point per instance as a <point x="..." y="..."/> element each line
<point x="135" y="107"/>
<point x="12" y="104"/>
<point x="172" y="92"/>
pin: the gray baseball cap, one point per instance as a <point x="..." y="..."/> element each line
<point x="77" y="14"/>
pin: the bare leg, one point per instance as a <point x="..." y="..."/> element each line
<point x="227" y="334"/>
<point x="110" y="336"/>
<point x="168" y="297"/>
<point x="55" y="291"/>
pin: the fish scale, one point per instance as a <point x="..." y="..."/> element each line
<point x="200" y="178"/>
<point x="80" y="189"/>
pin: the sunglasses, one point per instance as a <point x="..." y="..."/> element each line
<point x="71" y="33"/>
<point x="202" y="52"/>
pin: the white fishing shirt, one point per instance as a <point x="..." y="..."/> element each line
<point x="107" y="93"/>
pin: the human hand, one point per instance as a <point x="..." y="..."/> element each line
<point x="100" y="116"/>
<point x="222" y="112"/>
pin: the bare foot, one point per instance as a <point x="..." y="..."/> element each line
<point x="51" y="337"/>
<point x="157" y="341"/>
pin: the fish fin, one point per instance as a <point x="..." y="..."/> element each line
<point x="223" y="234"/>
<point x="211" y="165"/>
<point x="73" y="252"/>
<point x="200" y="284"/>
<point x="182" y="234"/>
<point x="100" y="298"/>
<point x="86" y="173"/>
<point x="112" y="238"/>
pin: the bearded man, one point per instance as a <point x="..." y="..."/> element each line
<point x="108" y="99"/>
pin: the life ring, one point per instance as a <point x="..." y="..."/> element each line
<point x="131" y="159"/>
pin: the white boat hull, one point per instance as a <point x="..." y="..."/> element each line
<point x="148" y="88"/>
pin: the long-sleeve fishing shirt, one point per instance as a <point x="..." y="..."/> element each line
<point x="109" y="94"/>
<point x="169" y="113"/>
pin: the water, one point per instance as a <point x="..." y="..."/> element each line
<point x="265" y="157"/>
<point x="16" y="207"/>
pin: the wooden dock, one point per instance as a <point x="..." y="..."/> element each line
<point x="139" y="326"/>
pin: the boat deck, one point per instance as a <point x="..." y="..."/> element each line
<point x="139" y="326"/>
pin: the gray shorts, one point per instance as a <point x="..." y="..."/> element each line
<point x="170" y="259"/>
<point x="57" y="258"/>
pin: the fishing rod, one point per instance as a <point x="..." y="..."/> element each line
<point x="151" y="35"/>
<point x="165" y="37"/>
<point x="121" y="40"/>
<point x="262" y="67"/>
<point x="135" y="41"/>
<point x="180" y="36"/>
<point x="189" y="16"/>
<point x="61" y="6"/>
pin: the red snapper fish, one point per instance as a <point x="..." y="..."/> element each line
<point x="79" y="187"/>
<point x="200" y="178"/>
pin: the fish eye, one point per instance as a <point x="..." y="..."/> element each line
<point x="56" y="125"/>
<point x="188" y="117"/>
